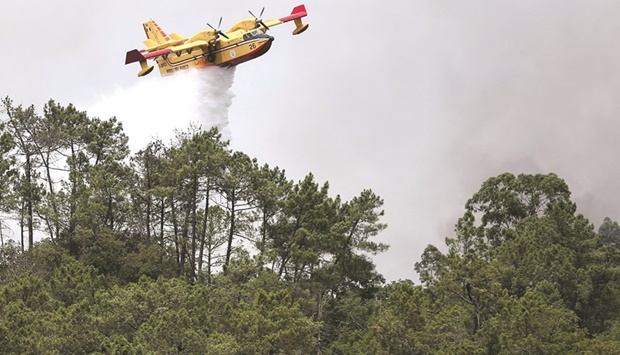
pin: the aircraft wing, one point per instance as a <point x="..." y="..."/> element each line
<point x="189" y="46"/>
<point x="296" y="15"/>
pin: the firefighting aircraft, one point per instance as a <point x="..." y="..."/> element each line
<point x="245" y="40"/>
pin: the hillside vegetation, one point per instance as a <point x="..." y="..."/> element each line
<point x="189" y="247"/>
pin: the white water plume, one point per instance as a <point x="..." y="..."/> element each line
<point x="155" y="107"/>
<point x="215" y="96"/>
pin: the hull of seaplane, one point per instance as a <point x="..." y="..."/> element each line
<point x="227" y="56"/>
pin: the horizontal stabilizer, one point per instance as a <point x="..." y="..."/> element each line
<point x="134" y="56"/>
<point x="177" y="37"/>
<point x="149" y="43"/>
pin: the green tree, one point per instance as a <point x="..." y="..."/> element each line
<point x="172" y="331"/>
<point x="50" y="144"/>
<point x="399" y="323"/>
<point x="272" y="324"/>
<point x="148" y="167"/>
<point x="235" y="187"/>
<point x="529" y="234"/>
<point x="502" y="202"/>
<point x="537" y="323"/>
<point x="196" y="162"/>
<point x="358" y="221"/>
<point x="7" y="175"/>
<point x="271" y="189"/>
<point x="602" y="310"/>
<point x="20" y="123"/>
<point x="609" y="233"/>
<point x="215" y="235"/>
<point x="430" y="266"/>
<point x="301" y="232"/>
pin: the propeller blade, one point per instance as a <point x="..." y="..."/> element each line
<point x="259" y="20"/>
<point x="217" y="30"/>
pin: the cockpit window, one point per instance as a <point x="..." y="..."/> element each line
<point x="254" y="34"/>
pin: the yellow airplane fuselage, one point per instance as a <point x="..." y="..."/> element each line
<point x="240" y="47"/>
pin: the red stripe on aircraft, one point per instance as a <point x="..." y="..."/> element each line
<point x="157" y="53"/>
<point x="161" y="31"/>
<point x="244" y="58"/>
<point x="298" y="12"/>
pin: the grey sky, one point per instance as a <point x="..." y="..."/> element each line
<point x="419" y="100"/>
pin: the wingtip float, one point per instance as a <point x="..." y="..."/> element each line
<point x="245" y="40"/>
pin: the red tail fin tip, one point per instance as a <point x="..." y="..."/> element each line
<point x="298" y="10"/>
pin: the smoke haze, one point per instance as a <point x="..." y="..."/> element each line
<point x="533" y="88"/>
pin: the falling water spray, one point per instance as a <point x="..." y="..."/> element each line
<point x="215" y="96"/>
<point x="155" y="107"/>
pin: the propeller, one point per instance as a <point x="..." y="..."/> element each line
<point x="217" y="30"/>
<point x="259" y="20"/>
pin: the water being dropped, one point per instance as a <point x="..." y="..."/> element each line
<point x="155" y="107"/>
<point x="215" y="96"/>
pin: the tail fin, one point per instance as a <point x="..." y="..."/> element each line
<point x="296" y="15"/>
<point x="155" y="33"/>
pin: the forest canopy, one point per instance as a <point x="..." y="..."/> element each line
<point x="190" y="247"/>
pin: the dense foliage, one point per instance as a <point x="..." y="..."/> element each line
<point x="190" y="247"/>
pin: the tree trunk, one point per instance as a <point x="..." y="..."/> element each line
<point x="194" y="226"/>
<point x="175" y="227"/>
<point x="148" y="218"/>
<point x="162" y="215"/>
<point x="203" y="233"/>
<point x="30" y="197"/>
<point x="232" y="229"/>
<point x="21" y="224"/>
<point x="54" y="226"/>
